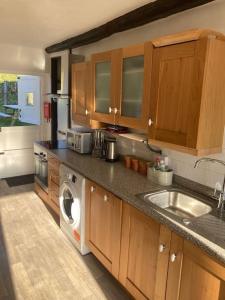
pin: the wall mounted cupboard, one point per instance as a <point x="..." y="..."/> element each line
<point x="134" y="75"/>
<point x="81" y="93"/>
<point x="104" y="85"/>
<point x="187" y="101"/>
<point x="171" y="88"/>
<point x="120" y="90"/>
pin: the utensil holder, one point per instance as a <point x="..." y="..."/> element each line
<point x="164" y="178"/>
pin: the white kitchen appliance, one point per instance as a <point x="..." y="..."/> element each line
<point x="72" y="207"/>
<point x="80" y="142"/>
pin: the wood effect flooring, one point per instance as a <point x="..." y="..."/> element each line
<point x="37" y="262"/>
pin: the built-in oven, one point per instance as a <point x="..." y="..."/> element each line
<point x="41" y="168"/>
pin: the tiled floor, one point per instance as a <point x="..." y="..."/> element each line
<point x="36" y="259"/>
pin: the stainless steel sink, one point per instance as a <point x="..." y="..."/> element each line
<point x="179" y="204"/>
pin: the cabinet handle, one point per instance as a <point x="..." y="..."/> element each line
<point x="116" y="110"/>
<point x="162" y="247"/>
<point x="2" y="153"/>
<point x="105" y="198"/>
<point x="92" y="189"/>
<point x="173" y="257"/>
<point x="150" y="122"/>
<point x="86" y="112"/>
<point x="110" y="110"/>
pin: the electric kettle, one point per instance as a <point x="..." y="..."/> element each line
<point x="111" y="153"/>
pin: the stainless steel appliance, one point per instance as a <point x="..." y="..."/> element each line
<point x="72" y="207"/>
<point x="80" y="142"/>
<point x="111" y="153"/>
<point x="98" y="141"/>
<point x="41" y="168"/>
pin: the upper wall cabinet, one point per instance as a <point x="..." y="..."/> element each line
<point x="81" y="78"/>
<point x="134" y="74"/>
<point x="187" y="101"/>
<point x="105" y="86"/>
<point x="121" y="86"/>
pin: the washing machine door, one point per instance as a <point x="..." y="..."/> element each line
<point x="70" y="206"/>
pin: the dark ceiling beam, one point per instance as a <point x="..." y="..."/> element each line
<point x="145" y="14"/>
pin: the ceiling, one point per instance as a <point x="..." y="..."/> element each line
<point x="45" y="22"/>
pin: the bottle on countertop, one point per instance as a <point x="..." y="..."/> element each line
<point x="157" y="163"/>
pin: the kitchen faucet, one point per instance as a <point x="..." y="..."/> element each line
<point x="221" y="196"/>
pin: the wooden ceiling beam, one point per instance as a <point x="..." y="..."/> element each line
<point x="145" y="14"/>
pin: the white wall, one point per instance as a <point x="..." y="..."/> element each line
<point x="210" y="16"/>
<point x="207" y="16"/>
<point x="21" y="60"/>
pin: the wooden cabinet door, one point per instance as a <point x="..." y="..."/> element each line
<point x="176" y="91"/>
<point x="135" y="75"/>
<point x="193" y="274"/>
<point x="103" y="226"/>
<point x="139" y="258"/>
<point x="81" y="82"/>
<point x="105" y="85"/>
<point x="53" y="184"/>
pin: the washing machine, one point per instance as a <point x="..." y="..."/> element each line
<point x="72" y="207"/>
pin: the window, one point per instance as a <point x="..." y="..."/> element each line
<point x="19" y="100"/>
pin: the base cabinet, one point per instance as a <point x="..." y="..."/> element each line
<point x="103" y="226"/>
<point x="193" y="275"/>
<point x="149" y="260"/>
<point x="53" y="184"/>
<point x="140" y="256"/>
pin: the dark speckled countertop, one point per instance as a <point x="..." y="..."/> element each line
<point x="207" y="232"/>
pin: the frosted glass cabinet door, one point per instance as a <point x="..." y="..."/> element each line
<point x="132" y="86"/>
<point x="102" y="87"/>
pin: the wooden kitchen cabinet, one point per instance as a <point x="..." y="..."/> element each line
<point x="121" y="86"/>
<point x="53" y="186"/>
<point x="187" y="100"/>
<point x="149" y="260"/>
<point x="141" y="263"/>
<point x="192" y="274"/>
<point x="103" y="226"/>
<point x="134" y="75"/>
<point x="105" y="93"/>
<point x="81" y="89"/>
